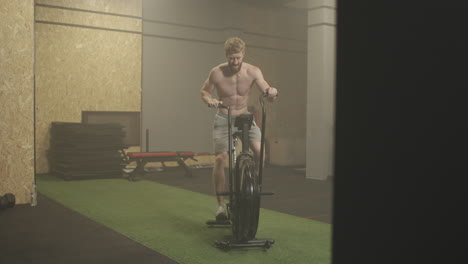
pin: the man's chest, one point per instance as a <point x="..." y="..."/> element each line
<point x="234" y="85"/>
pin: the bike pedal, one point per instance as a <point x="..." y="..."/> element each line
<point x="222" y="217"/>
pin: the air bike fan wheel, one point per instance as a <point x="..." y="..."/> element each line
<point x="246" y="198"/>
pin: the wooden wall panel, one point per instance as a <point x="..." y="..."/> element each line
<point x="91" y="66"/>
<point x="123" y="7"/>
<point x="17" y="99"/>
<point x="80" y="18"/>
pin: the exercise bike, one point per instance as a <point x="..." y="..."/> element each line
<point x="245" y="186"/>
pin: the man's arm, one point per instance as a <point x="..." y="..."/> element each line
<point x="263" y="85"/>
<point x="207" y="90"/>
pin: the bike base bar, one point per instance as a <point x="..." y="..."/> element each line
<point x="226" y="244"/>
<point x="228" y="193"/>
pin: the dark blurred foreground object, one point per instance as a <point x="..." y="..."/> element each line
<point x="86" y="151"/>
<point x="7" y="201"/>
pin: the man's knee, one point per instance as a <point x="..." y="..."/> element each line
<point x="255" y="146"/>
<point x="221" y="157"/>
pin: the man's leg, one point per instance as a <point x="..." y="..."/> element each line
<point x="219" y="181"/>
<point x="255" y="147"/>
<point x="255" y="137"/>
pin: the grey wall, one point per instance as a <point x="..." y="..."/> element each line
<point x="183" y="40"/>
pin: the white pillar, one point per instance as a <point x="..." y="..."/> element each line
<point x="321" y="53"/>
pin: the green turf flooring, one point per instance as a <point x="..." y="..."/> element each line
<point x="171" y="221"/>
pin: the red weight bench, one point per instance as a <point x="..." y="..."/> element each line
<point x="142" y="158"/>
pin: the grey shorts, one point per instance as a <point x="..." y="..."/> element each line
<point x="220" y="132"/>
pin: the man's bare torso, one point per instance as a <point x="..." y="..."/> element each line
<point x="233" y="88"/>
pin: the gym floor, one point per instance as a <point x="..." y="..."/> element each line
<point x="51" y="233"/>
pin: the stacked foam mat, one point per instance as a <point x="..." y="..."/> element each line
<point x="86" y="151"/>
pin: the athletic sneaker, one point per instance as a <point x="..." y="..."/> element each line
<point x="221" y="213"/>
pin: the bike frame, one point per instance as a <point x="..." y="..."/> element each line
<point x="231" y="147"/>
<point x="245" y="144"/>
<point x="251" y="242"/>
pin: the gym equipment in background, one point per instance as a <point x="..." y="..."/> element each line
<point x="86" y="151"/>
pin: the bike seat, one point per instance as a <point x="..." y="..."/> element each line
<point x="243" y="119"/>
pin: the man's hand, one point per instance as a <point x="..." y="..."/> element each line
<point x="213" y="102"/>
<point x="271" y="93"/>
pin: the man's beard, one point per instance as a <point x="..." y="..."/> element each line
<point x="235" y="68"/>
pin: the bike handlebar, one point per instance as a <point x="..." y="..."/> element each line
<point x="220" y="106"/>
<point x="264" y="95"/>
<point x="223" y="106"/>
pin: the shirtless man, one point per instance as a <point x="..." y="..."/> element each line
<point x="232" y="81"/>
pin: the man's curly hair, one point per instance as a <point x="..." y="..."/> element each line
<point x="234" y="45"/>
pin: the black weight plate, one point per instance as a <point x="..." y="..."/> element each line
<point x="3" y="203"/>
<point x="11" y="200"/>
